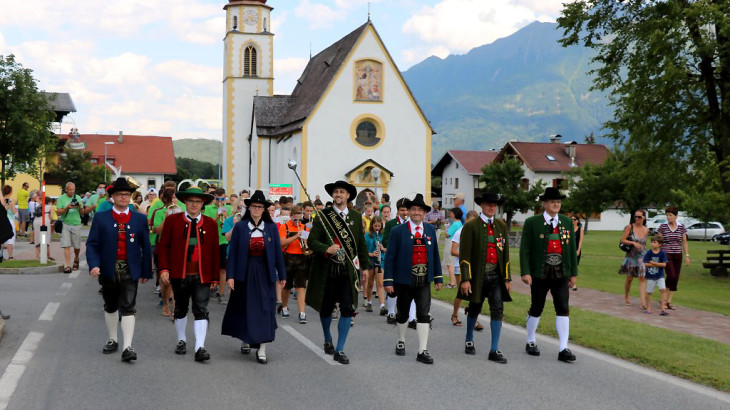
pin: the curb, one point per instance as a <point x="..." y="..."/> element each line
<point x="32" y="271"/>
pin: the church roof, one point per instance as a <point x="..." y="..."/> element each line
<point x="60" y="103"/>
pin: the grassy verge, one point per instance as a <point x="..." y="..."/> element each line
<point x="693" y="358"/>
<point x="13" y="264"/>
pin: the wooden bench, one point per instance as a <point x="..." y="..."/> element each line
<point x="718" y="265"/>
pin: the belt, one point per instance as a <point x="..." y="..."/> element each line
<point x="554" y="259"/>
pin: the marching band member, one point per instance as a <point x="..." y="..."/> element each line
<point x="296" y="261"/>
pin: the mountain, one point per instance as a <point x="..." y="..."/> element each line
<point x="524" y="87"/>
<point x="200" y="149"/>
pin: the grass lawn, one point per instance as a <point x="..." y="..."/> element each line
<point x="13" y="264"/>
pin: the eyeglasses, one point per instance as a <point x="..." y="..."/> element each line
<point x="194" y="201"/>
<point x="256" y="207"/>
<point x="638" y="216"/>
<point x="220" y="198"/>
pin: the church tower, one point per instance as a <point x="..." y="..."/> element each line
<point x="248" y="71"/>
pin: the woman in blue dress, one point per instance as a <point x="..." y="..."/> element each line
<point x="255" y="264"/>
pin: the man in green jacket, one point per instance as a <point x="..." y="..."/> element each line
<point x="484" y="264"/>
<point x="549" y="263"/>
<point x="339" y="252"/>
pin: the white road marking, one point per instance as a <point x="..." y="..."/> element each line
<point x="74" y="274"/>
<point x="697" y="388"/>
<point x="308" y="343"/>
<point x="49" y="311"/>
<point x="64" y="289"/>
<point x="9" y="380"/>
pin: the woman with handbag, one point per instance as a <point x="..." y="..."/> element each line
<point x="633" y="242"/>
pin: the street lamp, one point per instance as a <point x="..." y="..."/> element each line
<point x="106" y="144"/>
<point x="375" y="172"/>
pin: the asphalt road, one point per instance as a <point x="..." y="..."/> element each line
<point x="50" y="358"/>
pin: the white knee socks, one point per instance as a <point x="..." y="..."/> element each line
<point x="201" y="329"/>
<point x="562" y="324"/>
<point x="532" y="323"/>
<point x="262" y="350"/>
<point x="422" y="329"/>
<point x="127" y="331"/>
<point x="111" y="320"/>
<point x="391" y="305"/>
<point x="180" y="325"/>
<point x="402" y="331"/>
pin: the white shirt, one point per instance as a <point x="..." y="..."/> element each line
<point x="414" y="226"/>
<point x="190" y="218"/>
<point x="548" y="218"/>
<point x="486" y="219"/>
<point x="341" y="212"/>
<point x="257" y="233"/>
<point x="125" y="211"/>
<point x="402" y="221"/>
<point x="457" y="235"/>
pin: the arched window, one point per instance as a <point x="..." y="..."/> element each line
<point x="249" y="61"/>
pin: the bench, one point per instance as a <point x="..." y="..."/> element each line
<point x="514" y="238"/>
<point x="718" y="265"/>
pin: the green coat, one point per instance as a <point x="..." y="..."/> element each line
<point x="533" y="248"/>
<point x="319" y="269"/>
<point x="473" y="257"/>
<point x="386" y="230"/>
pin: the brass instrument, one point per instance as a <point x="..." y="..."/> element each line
<point x="305" y="247"/>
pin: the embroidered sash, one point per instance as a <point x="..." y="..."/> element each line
<point x="341" y="232"/>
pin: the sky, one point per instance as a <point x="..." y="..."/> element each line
<point x="154" y="67"/>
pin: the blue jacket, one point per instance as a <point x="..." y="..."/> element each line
<point x="237" y="267"/>
<point x="101" y="246"/>
<point x="399" y="258"/>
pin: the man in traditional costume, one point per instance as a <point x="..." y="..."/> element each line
<point x="189" y="259"/>
<point x="484" y="265"/>
<point x="339" y="249"/>
<point x="411" y="263"/>
<point x="549" y="262"/>
<point x="118" y="252"/>
<point x="391" y="298"/>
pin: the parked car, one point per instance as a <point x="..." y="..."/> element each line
<point x="704" y="230"/>
<point x="656" y="221"/>
<point x="723" y="238"/>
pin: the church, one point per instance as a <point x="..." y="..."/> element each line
<point x="350" y="112"/>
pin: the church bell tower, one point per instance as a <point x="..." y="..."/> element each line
<point x="248" y="71"/>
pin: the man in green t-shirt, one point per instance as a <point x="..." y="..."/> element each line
<point x="219" y="210"/>
<point x="23" y="214"/>
<point x="70" y="208"/>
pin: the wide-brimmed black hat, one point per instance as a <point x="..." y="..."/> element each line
<point x="257" y="197"/>
<point x="194" y="191"/>
<point x="489" y="198"/>
<point x="551" y="193"/>
<point x="330" y="188"/>
<point x="417" y="201"/>
<point x="121" y="185"/>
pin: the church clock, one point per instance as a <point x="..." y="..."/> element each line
<point x="250" y="17"/>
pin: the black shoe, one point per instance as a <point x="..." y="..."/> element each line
<point x="424" y="357"/>
<point x="390" y="319"/>
<point x="469" y="348"/>
<point x="245" y="348"/>
<point x="400" y="349"/>
<point x="383" y="311"/>
<point x="181" y="347"/>
<point x="329" y="348"/>
<point x="202" y="355"/>
<point x="278" y="307"/>
<point x="497" y="357"/>
<point x="566" y="355"/>
<point x="341" y="358"/>
<point x="111" y="346"/>
<point x="412" y="324"/>
<point x="129" y="354"/>
<point x="532" y="350"/>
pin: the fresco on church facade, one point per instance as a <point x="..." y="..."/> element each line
<point x="368" y="80"/>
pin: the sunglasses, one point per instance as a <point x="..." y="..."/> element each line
<point x="638" y="216"/>
<point x="220" y="198"/>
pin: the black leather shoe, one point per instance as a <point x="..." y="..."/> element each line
<point x="424" y="357"/>
<point x="390" y="319"/>
<point x="245" y="348"/>
<point x="129" y="354"/>
<point x="329" y="348"/>
<point x="566" y="355"/>
<point x="111" y="346"/>
<point x="383" y="311"/>
<point x="341" y="358"/>
<point x="469" y="348"/>
<point x="400" y="349"/>
<point x="181" y="347"/>
<point x="202" y="355"/>
<point x="412" y="324"/>
<point x="497" y="357"/>
<point x="532" y="350"/>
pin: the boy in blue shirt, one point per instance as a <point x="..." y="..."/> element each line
<point x="655" y="261"/>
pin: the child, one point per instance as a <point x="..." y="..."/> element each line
<point x="374" y="241"/>
<point x="655" y="261"/>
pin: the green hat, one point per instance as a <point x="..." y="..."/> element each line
<point x="194" y="191"/>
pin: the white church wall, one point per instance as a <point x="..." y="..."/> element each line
<point x="454" y="180"/>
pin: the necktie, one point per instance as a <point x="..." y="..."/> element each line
<point x="342" y="214"/>
<point x="418" y="232"/>
<point x="552" y="222"/>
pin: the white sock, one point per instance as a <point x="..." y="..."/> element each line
<point x="262" y="350"/>
<point x="180" y="325"/>
<point x="127" y="331"/>
<point x="111" y="320"/>
<point x="402" y="331"/>
<point x="562" y="323"/>
<point x="412" y="312"/>
<point x="391" y="304"/>
<point x="201" y="329"/>
<point x="532" y="323"/>
<point x="422" y="329"/>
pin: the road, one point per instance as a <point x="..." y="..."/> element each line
<point x="50" y="358"/>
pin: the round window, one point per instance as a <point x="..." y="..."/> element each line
<point x="367" y="134"/>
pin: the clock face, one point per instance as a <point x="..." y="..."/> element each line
<point x="250" y="17"/>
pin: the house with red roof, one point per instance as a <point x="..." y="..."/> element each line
<point x="460" y="171"/>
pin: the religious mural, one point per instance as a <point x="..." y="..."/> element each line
<point x="368" y="80"/>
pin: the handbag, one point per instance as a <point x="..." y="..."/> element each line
<point x="626" y="247"/>
<point x="58" y="225"/>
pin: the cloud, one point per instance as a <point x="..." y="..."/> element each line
<point x="319" y="15"/>
<point x="460" y="25"/>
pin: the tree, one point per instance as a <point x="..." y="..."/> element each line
<point x="24" y="117"/>
<point x="505" y="179"/>
<point x="594" y="188"/>
<point x="75" y="166"/>
<point x="188" y="168"/>
<point x="666" y="65"/>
